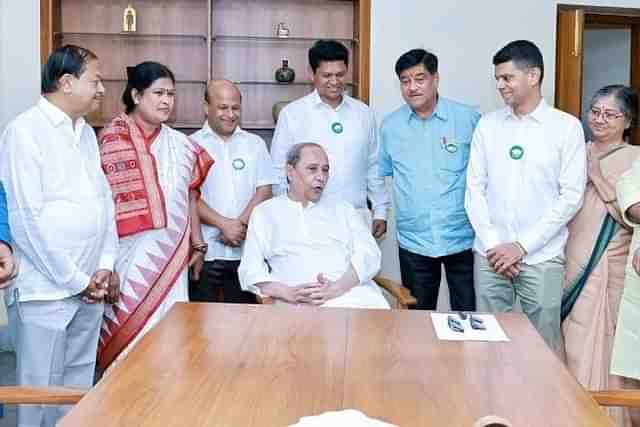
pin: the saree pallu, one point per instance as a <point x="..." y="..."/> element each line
<point x="151" y="179"/>
<point x="596" y="253"/>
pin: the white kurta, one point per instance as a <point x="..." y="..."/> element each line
<point x="298" y="243"/>
<point x="60" y="206"/>
<point x="242" y="165"/>
<point x="625" y="358"/>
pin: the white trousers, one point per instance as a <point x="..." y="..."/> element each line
<point x="56" y="344"/>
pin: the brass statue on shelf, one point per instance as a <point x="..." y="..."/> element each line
<point x="129" y="19"/>
<point x="282" y="31"/>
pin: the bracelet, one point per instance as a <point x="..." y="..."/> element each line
<point x="200" y="247"/>
<point x="606" y="202"/>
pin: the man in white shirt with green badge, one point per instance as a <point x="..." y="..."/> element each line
<point x="240" y="179"/>
<point x="525" y="181"/>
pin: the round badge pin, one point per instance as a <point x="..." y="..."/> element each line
<point x="451" y="147"/>
<point x="336" y="127"/>
<point x="516" y="152"/>
<point x="238" y="164"/>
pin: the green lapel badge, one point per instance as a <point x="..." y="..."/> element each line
<point x="238" y="164"/>
<point x="336" y="127"/>
<point x="516" y="152"/>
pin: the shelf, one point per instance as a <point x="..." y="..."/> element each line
<point x="268" y="125"/>
<point x="123" y="80"/>
<point x="274" y="83"/>
<point x="240" y="38"/>
<point x="177" y="125"/>
<point x="133" y="35"/>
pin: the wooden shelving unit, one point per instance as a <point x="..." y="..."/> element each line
<point x="203" y="39"/>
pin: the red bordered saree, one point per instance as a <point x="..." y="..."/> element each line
<point x="151" y="178"/>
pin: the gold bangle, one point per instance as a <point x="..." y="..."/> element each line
<point x="606" y="202"/>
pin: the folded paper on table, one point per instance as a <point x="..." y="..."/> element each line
<point x="347" y="417"/>
<point x="493" y="331"/>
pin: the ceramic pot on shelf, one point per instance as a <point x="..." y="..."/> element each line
<point x="285" y="74"/>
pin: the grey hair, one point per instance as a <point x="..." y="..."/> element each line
<point x="293" y="155"/>
<point x="625" y="98"/>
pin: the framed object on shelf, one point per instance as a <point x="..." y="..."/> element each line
<point x="244" y="41"/>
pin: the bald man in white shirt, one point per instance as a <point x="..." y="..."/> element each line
<point x="525" y="181"/>
<point x="240" y="180"/>
<point x="304" y="249"/>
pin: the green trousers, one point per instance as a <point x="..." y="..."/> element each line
<point x="538" y="289"/>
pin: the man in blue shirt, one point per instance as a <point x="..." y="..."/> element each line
<point x="7" y="263"/>
<point x="425" y="148"/>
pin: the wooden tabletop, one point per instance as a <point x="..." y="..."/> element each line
<point x="252" y="365"/>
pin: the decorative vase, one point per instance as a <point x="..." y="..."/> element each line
<point x="277" y="107"/>
<point x="285" y="74"/>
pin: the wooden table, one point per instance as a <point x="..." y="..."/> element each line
<point x="247" y="365"/>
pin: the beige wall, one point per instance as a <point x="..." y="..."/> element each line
<point x="19" y="57"/>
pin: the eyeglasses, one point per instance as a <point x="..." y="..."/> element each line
<point x="606" y="115"/>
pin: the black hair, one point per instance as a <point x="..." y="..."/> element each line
<point x="68" y="59"/>
<point x="140" y="78"/>
<point x="415" y="57"/>
<point x="627" y="101"/>
<point x="327" y="50"/>
<point x="523" y="53"/>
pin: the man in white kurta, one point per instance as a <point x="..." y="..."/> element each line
<point x="62" y="220"/>
<point x="240" y="180"/>
<point x="525" y="181"/>
<point x="304" y="249"/>
<point x="343" y="126"/>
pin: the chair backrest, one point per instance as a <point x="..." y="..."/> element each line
<point x="14" y="395"/>
<point x="622" y="398"/>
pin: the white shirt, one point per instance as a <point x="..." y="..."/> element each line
<point x="531" y="199"/>
<point x="61" y="210"/>
<point x="298" y="243"/>
<point x="242" y="165"/>
<point x="353" y="153"/>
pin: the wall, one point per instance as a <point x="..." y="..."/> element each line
<point x="607" y="60"/>
<point x="19" y="57"/>
<point x="464" y="35"/>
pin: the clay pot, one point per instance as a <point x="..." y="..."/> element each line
<point x="285" y="74"/>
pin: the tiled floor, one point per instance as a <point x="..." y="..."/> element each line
<point x="8" y="377"/>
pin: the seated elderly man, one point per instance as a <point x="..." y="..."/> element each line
<point x="302" y="249"/>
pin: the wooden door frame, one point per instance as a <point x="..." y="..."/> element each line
<point x="596" y="18"/>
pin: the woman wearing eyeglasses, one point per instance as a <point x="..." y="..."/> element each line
<point x="598" y="246"/>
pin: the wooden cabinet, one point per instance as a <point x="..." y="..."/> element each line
<point x="203" y="39"/>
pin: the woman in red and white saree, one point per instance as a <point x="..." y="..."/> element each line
<point x="154" y="172"/>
